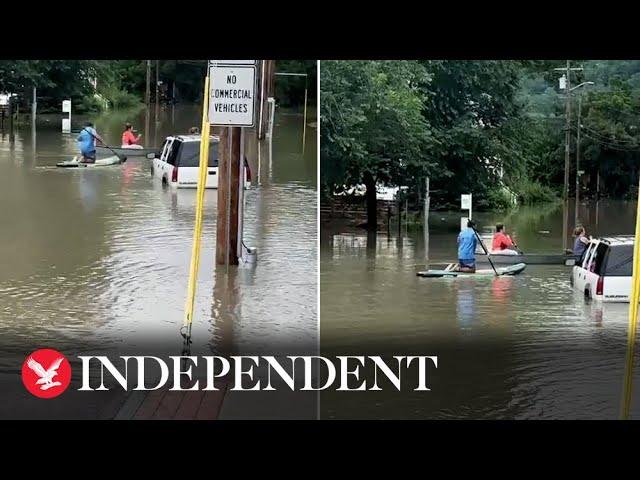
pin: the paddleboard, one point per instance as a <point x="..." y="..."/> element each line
<point x="510" y="270"/>
<point x="102" y="162"/>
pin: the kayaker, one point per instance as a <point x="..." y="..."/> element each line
<point x="87" y="143"/>
<point x="467" y="243"/>
<point x="581" y="242"/>
<point x="128" y="137"/>
<point x="502" y="243"/>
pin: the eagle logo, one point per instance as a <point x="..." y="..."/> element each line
<point x="46" y="376"/>
<point x="46" y="382"/>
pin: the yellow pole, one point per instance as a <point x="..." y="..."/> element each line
<point x="633" y="320"/>
<point x="197" y="231"/>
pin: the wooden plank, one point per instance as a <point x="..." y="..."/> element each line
<point x="211" y="404"/>
<point x="131" y="406"/>
<point x="150" y="405"/>
<point x="189" y="406"/>
<point x="168" y="406"/>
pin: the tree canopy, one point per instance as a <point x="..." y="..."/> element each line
<point x="485" y="127"/>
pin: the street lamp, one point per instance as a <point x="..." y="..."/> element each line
<point x="578" y="150"/>
<point x="565" y="84"/>
<point x="581" y="85"/>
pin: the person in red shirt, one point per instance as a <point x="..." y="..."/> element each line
<point x="128" y="138"/>
<point x="502" y="242"/>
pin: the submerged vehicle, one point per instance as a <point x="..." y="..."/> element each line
<point x="603" y="272"/>
<point x="178" y="162"/>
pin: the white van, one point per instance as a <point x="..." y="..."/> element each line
<point x="604" y="270"/>
<point x="179" y="158"/>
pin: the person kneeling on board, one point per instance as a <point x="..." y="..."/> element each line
<point x="87" y="143"/>
<point x="467" y="243"/>
<point x="502" y="243"/>
<point x="129" y="140"/>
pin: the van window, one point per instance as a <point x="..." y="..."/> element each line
<point x="597" y="262"/>
<point x="164" y="144"/>
<point x="190" y="154"/>
<point x="585" y="255"/>
<point x="173" y="153"/>
<point x="619" y="261"/>
<point x="584" y="259"/>
<point x="164" y="150"/>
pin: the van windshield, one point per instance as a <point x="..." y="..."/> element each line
<point x="190" y="154"/>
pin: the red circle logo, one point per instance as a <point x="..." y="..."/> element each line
<point x="46" y="373"/>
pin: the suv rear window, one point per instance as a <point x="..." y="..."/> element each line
<point x="190" y="154"/>
<point x="619" y="262"/>
<point x="598" y="260"/>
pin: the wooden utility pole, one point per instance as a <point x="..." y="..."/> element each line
<point x="266" y="89"/>
<point x="567" y="150"/>
<point x="147" y="96"/>
<point x="34" y="108"/>
<point x="228" y="196"/>
<point x="576" y="216"/>
<point x="272" y="78"/>
<point x="157" y="87"/>
<point x="427" y="201"/>
<point x="10" y="113"/>
<point x="567" y="137"/>
<point x="262" y="114"/>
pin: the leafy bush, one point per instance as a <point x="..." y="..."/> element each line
<point x="531" y="192"/>
<point x="499" y="199"/>
<point x="90" y="104"/>
<point x="120" y="99"/>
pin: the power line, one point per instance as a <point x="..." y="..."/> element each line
<point x="613" y="146"/>
<point x="607" y="137"/>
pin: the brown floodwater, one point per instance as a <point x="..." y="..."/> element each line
<point x="522" y="347"/>
<point x="97" y="259"/>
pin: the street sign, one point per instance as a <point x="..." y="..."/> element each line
<point x="231" y="62"/>
<point x="465" y="201"/>
<point x="66" y="122"/>
<point x="231" y="95"/>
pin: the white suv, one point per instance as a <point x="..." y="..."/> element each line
<point x="604" y="270"/>
<point x="179" y="158"/>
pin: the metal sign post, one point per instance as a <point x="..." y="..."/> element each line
<point x="465" y="204"/>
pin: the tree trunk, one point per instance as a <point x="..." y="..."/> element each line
<point x="372" y="210"/>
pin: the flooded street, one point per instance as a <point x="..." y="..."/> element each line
<point x="98" y="259"/>
<point x="523" y="347"/>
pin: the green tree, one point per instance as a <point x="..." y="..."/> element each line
<point x="372" y="128"/>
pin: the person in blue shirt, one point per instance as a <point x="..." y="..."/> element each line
<point x="467" y="243"/>
<point x="87" y="143"/>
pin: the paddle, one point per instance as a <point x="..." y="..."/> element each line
<point x="485" y="251"/>
<point x="122" y="158"/>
